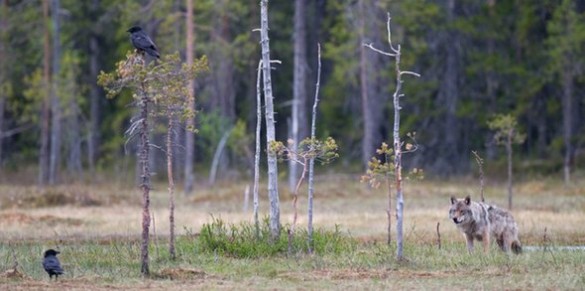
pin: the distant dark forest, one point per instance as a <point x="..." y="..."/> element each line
<point x="477" y="58"/>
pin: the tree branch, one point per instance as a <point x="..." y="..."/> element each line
<point x="378" y="51"/>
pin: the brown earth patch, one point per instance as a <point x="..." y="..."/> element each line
<point x="181" y="274"/>
<point x="51" y="220"/>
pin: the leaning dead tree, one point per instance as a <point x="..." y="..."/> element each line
<point x="156" y="85"/>
<point x="395" y="52"/>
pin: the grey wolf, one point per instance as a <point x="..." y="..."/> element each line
<point x="482" y="222"/>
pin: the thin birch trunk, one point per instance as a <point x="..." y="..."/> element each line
<point x="257" y="154"/>
<point x="396" y="54"/>
<point x="398" y="159"/>
<point x="189" y="135"/>
<point x="270" y="130"/>
<point x="389" y="210"/>
<point x="312" y="161"/>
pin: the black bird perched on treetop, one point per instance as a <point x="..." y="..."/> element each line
<point x="142" y="42"/>
<point x="52" y="264"/>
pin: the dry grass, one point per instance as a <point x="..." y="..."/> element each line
<point x="112" y="219"/>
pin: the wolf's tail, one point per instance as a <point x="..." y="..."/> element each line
<point x="516" y="247"/>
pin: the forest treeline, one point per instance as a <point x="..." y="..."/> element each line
<point x="477" y="58"/>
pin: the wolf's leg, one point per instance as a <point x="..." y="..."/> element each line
<point x="486" y="240"/>
<point x="508" y="239"/>
<point x="469" y="239"/>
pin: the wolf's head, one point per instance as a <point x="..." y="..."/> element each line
<point x="460" y="211"/>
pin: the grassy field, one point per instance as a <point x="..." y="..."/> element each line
<point x="97" y="230"/>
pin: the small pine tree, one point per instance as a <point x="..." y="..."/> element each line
<point x="506" y="133"/>
<point x="157" y="84"/>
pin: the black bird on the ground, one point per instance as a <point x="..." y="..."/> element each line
<point x="51" y="264"/>
<point x="142" y="42"/>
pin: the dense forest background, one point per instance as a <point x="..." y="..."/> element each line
<point x="477" y="58"/>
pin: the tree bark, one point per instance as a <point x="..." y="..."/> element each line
<point x="55" y="157"/>
<point x="189" y="135"/>
<point x="45" y="111"/>
<point x="312" y="161"/>
<point x="396" y="54"/>
<point x="257" y="152"/>
<point x="398" y="161"/>
<point x="145" y="180"/>
<point x="299" y="118"/>
<point x="171" y="180"/>
<point x="270" y="128"/>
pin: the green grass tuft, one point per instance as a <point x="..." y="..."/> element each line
<point x="241" y="241"/>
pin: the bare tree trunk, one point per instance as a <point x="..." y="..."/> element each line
<point x="398" y="160"/>
<point x="55" y="100"/>
<point x="299" y="87"/>
<point x="189" y="135"/>
<point x="567" y="79"/>
<point x="270" y="130"/>
<point x="509" y="154"/>
<point x="170" y="129"/>
<point x="312" y="161"/>
<point x="45" y="111"/>
<point x="145" y="180"/>
<point x="396" y="54"/>
<point x="389" y="210"/>
<point x="94" y="93"/>
<point x="257" y="153"/>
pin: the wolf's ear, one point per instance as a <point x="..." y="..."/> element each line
<point x="453" y="200"/>
<point x="467" y="200"/>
